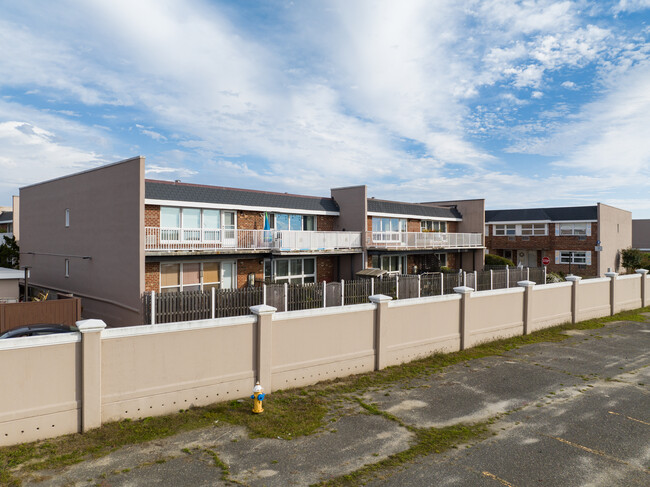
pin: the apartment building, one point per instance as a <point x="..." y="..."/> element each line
<point x="108" y="235"/>
<point x="583" y="240"/>
<point x="9" y="220"/>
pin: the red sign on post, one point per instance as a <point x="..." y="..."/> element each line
<point x="546" y="260"/>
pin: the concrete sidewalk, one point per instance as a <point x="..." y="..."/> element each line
<point x="575" y="412"/>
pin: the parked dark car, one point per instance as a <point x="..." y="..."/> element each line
<point x="38" y="330"/>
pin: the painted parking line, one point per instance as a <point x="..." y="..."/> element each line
<point x="598" y="452"/>
<point x="492" y="476"/>
<point x="630" y="418"/>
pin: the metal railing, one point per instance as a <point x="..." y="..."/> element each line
<point x="173" y="239"/>
<point x="423" y="240"/>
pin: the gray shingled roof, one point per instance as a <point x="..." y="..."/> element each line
<point x="399" y="208"/>
<point x="163" y="190"/>
<point x="6" y="216"/>
<point x="565" y="213"/>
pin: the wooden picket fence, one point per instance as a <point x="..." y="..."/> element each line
<point x="219" y="303"/>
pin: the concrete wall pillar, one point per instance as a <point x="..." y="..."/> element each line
<point x="264" y="344"/>
<point x="574" y="297"/>
<point x="91" y="373"/>
<point x="644" y="290"/>
<point x="381" y="300"/>
<point x="528" y="302"/>
<point x="465" y="293"/>
<point x="612" y="292"/>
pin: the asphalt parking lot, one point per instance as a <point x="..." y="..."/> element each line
<point x="571" y="413"/>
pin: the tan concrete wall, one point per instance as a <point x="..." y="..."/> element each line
<point x="420" y="327"/>
<point x="165" y="368"/>
<point x="308" y="346"/>
<point x="41" y="388"/>
<point x="551" y="305"/>
<point x="106" y="224"/>
<point x="494" y="314"/>
<point x="628" y="292"/>
<point x="593" y="298"/>
<point x="615" y="234"/>
<point x="640" y="233"/>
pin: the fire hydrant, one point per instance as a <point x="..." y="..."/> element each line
<point x="258" y="397"/>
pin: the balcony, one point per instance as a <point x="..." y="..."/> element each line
<point x="423" y="240"/>
<point x="207" y="240"/>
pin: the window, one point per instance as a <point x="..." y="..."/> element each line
<point x="67" y="217"/>
<point x="285" y="221"/>
<point x="431" y="226"/>
<point x="573" y="257"/>
<point x="500" y="230"/>
<point x="67" y="267"/>
<point x="487" y="230"/>
<point x="533" y="229"/>
<point x="394" y="264"/>
<point x="190" y="276"/>
<point x="443" y="259"/>
<point x="195" y="224"/>
<point x="292" y="271"/>
<point x="388" y="229"/>
<point x="565" y="229"/>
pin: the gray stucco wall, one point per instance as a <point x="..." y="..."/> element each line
<point x="106" y="224"/>
<point x="641" y="234"/>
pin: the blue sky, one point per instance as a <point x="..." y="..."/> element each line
<point x="525" y="104"/>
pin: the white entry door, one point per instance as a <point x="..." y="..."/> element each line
<point x="229" y="232"/>
<point x="527" y="258"/>
<point x="228" y="275"/>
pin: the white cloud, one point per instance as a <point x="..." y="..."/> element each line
<point x="631" y="6"/>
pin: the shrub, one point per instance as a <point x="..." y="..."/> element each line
<point x="491" y="259"/>
<point x="552" y="277"/>
<point x="632" y="259"/>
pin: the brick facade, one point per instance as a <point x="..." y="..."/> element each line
<point x="151" y="216"/>
<point x="546" y="246"/>
<point x="152" y="276"/>
<point x="250" y="220"/>
<point x="325" y="223"/>
<point x="248" y="266"/>
<point x="326" y="268"/>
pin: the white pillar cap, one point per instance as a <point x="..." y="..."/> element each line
<point x="89" y="326"/>
<point x="263" y="309"/>
<point x="379" y="298"/>
<point x="611" y="274"/>
<point x="463" y="289"/>
<point x="526" y="283"/>
<point x="572" y="278"/>
<point x="642" y="271"/>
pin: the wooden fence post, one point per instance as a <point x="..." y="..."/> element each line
<point x="153" y="307"/>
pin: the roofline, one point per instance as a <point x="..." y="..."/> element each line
<point x="518" y="222"/>
<point x="82" y="172"/>
<point x="415" y="217"/>
<point x="231" y="206"/>
<point x="236" y="189"/>
<point x="545" y="208"/>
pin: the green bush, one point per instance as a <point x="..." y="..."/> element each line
<point x="491" y="259"/>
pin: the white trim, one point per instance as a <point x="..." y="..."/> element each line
<point x="39" y="341"/>
<point x="594" y="281"/>
<point x="514" y="222"/>
<point x="414" y="217"/>
<point x="334" y="310"/>
<point x="497" y="292"/>
<point x="129" y="331"/>
<point x="426" y="300"/>
<point x="542" y="287"/>
<point x="629" y="276"/>
<point x="222" y="206"/>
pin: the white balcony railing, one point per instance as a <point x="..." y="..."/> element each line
<point x="189" y="239"/>
<point x="423" y="240"/>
